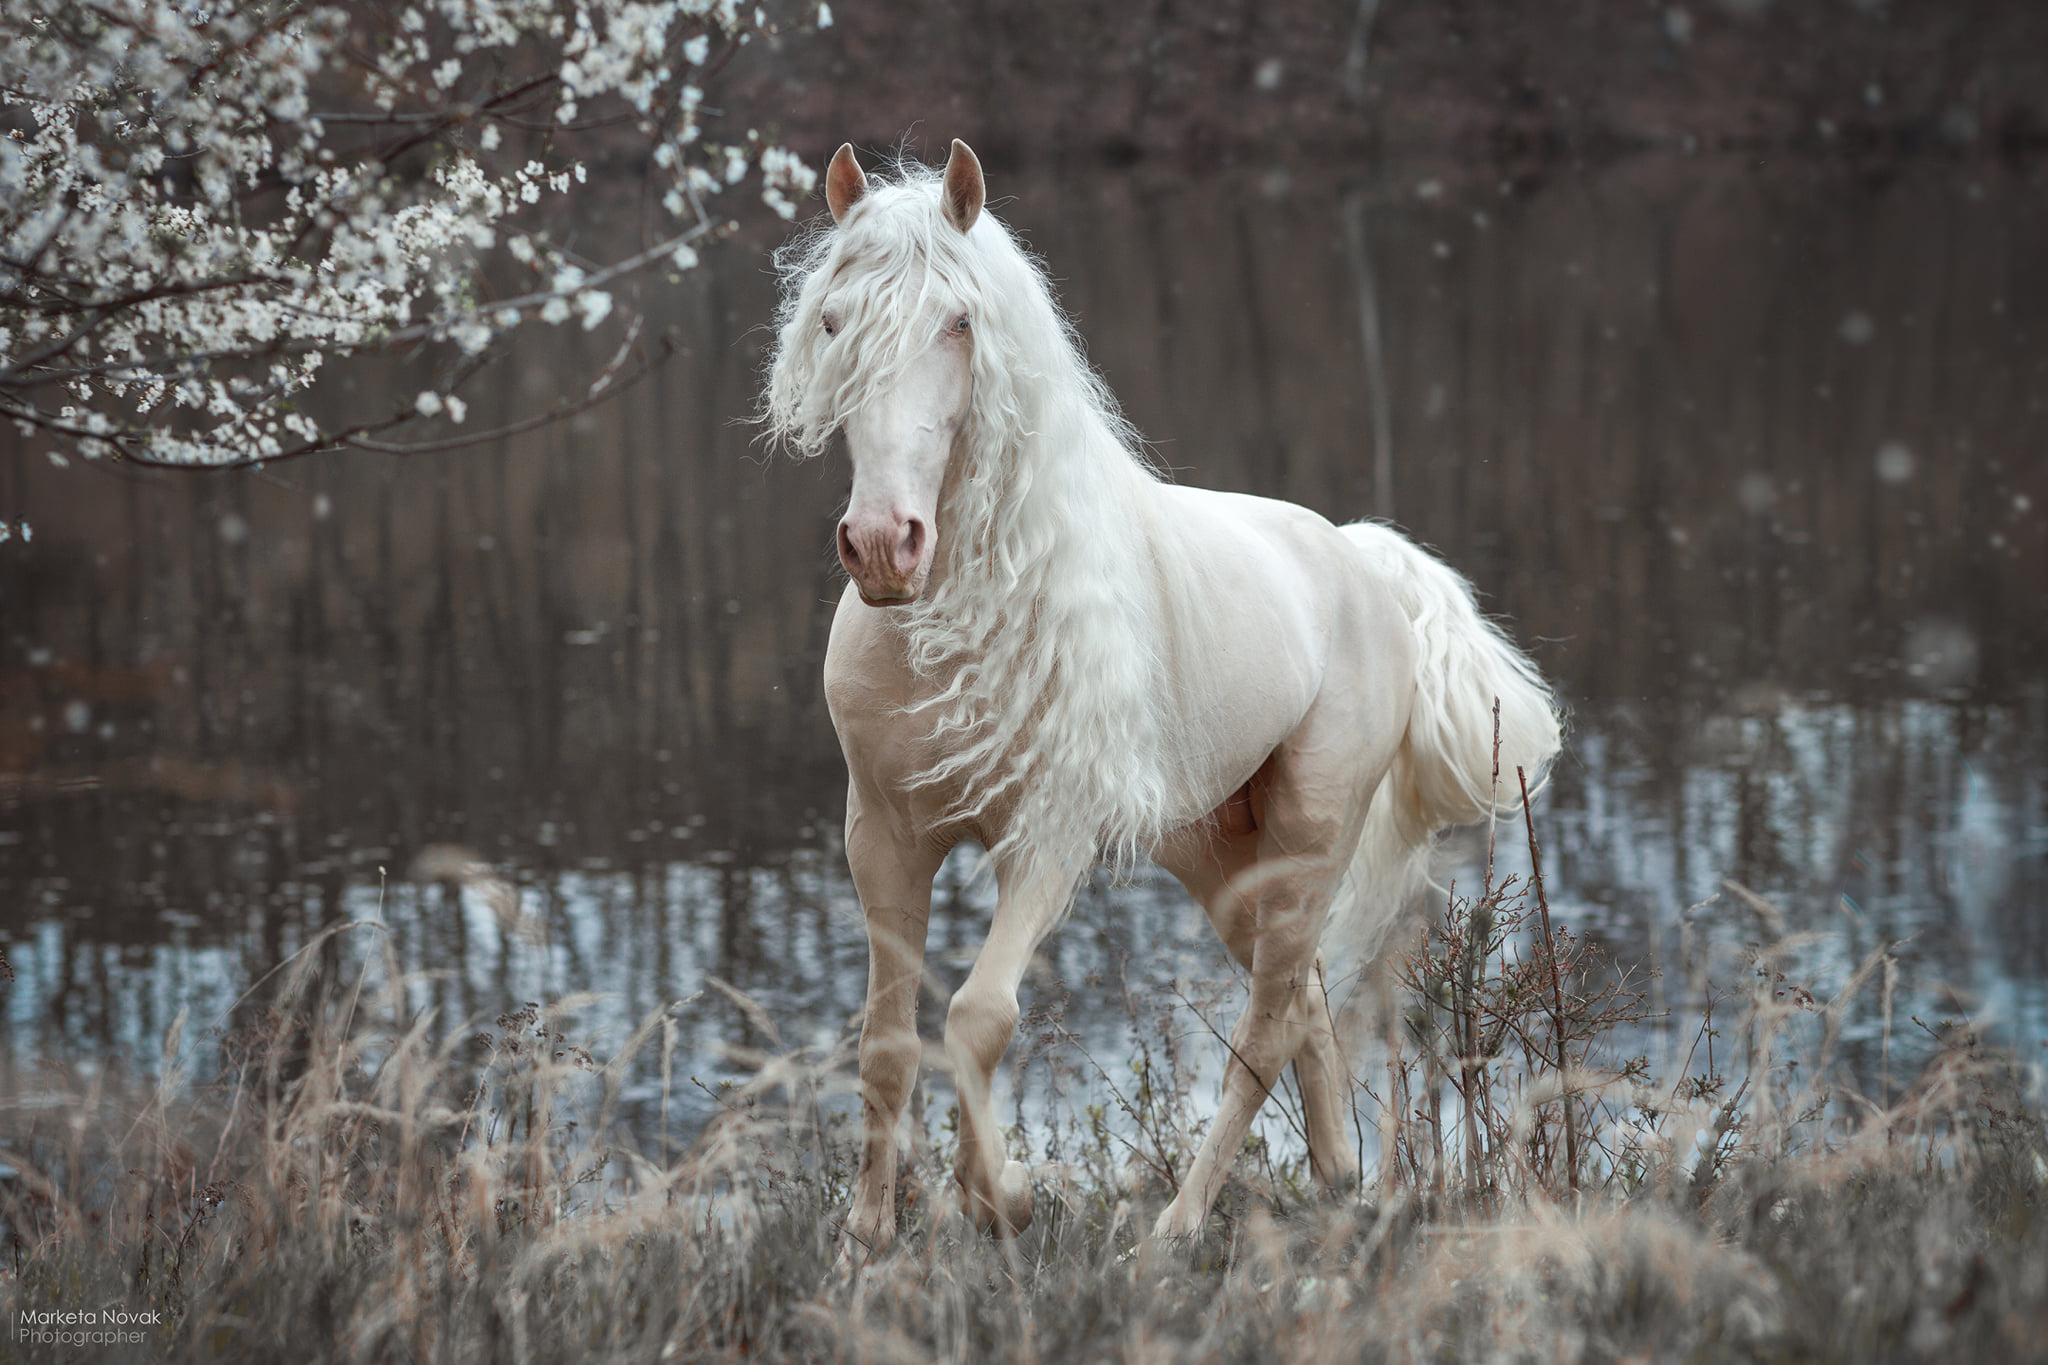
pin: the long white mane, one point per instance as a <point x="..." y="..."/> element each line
<point x="1042" y="633"/>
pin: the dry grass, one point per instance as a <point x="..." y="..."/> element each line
<point x="357" y="1186"/>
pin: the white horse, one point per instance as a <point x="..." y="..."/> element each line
<point x="1050" y="651"/>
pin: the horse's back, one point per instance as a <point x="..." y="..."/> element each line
<point x="1255" y="544"/>
<point x="1278" y="615"/>
<point x="1279" y="574"/>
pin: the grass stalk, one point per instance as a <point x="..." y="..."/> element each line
<point x="1571" y="1131"/>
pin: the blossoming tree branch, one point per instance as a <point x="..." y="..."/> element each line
<point x="206" y="208"/>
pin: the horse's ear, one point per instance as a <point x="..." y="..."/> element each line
<point x="844" y="183"/>
<point x="964" y="191"/>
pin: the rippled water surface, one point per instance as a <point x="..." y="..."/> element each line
<point x="1757" y="464"/>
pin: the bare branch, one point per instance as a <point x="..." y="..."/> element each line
<point x="192" y="248"/>
<point x="601" y="391"/>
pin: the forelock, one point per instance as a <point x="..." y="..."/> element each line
<point x="889" y="269"/>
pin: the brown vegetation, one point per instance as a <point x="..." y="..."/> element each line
<point x="357" y="1186"/>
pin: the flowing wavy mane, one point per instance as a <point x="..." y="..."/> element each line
<point x="1044" y="634"/>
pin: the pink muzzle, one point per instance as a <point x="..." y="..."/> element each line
<point x="885" y="557"/>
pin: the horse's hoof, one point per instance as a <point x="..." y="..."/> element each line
<point x="1013" y="1196"/>
<point x="1343" y="1183"/>
<point x="1175" y="1227"/>
<point x="1004" y="1211"/>
<point x="1162" y="1253"/>
<point x="862" y="1240"/>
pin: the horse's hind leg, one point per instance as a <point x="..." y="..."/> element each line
<point x="1217" y="870"/>
<point x="1325" y="1076"/>
<point x="1320" y="784"/>
<point x="1267" y="1035"/>
<point x="982" y="1019"/>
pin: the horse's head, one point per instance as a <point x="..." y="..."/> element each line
<point x="879" y="343"/>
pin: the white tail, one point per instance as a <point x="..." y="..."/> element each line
<point x="1443" y="774"/>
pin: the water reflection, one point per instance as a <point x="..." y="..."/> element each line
<point x="1758" y="462"/>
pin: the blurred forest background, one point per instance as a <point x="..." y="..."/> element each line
<point x="1710" y="341"/>
<point x="1206" y="85"/>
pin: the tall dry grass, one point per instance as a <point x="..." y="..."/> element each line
<point x="361" y="1183"/>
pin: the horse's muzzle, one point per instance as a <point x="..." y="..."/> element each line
<point x="886" y="556"/>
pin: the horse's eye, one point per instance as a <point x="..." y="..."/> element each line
<point x="960" y="325"/>
<point x="831" y="327"/>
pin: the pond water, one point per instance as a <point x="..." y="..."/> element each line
<point x="1755" y="461"/>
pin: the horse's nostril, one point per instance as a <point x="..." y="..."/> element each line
<point x="913" y="543"/>
<point x="848" y="555"/>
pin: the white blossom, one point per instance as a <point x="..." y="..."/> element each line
<point x="471" y="336"/>
<point x="194" y="216"/>
<point x="595" y="304"/>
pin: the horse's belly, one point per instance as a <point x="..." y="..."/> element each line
<point x="1235" y="818"/>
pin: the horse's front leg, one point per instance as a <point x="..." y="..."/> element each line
<point x="893" y="876"/>
<point x="996" y="1191"/>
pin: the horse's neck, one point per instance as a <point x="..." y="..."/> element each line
<point x="1102" y="520"/>
<point x="1053" y="666"/>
